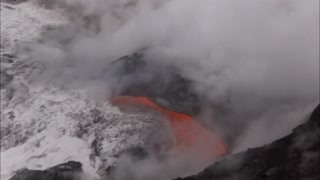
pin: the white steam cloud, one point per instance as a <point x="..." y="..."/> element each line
<point x="256" y="59"/>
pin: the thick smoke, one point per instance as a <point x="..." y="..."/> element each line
<point x="256" y="62"/>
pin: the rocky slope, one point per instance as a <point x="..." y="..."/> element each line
<point x="292" y="157"/>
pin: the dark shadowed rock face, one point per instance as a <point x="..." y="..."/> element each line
<point x="66" y="171"/>
<point x="163" y="84"/>
<point x="293" y="157"/>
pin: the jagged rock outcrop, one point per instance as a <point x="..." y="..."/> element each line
<point x="65" y="171"/>
<point x="292" y="157"/>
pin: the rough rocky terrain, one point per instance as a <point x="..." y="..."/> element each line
<point x="41" y="120"/>
<point x="66" y="171"/>
<point x="293" y="157"/>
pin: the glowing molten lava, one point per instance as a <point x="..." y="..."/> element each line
<point x="190" y="136"/>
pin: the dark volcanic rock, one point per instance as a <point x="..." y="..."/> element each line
<point x="14" y="1"/>
<point x="66" y="171"/>
<point x="295" y="156"/>
<point x="163" y="84"/>
<point x="136" y="153"/>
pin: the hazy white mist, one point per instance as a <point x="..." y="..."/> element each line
<point x="259" y="59"/>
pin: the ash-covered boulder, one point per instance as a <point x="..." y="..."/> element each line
<point x="293" y="157"/>
<point x="70" y="170"/>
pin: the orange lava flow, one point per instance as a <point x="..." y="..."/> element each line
<point x="190" y="136"/>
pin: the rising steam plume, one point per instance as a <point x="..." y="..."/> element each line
<point x="255" y="62"/>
